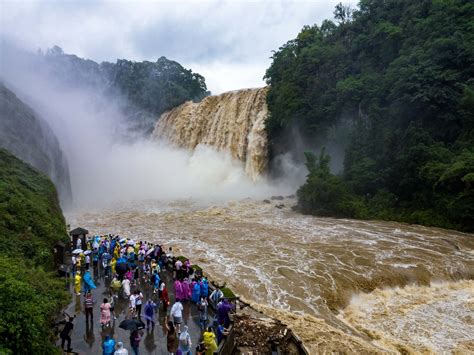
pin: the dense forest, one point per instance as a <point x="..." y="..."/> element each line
<point x="144" y="89"/>
<point x="400" y="75"/>
<point x="31" y="223"/>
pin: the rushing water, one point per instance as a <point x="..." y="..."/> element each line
<point x="336" y="281"/>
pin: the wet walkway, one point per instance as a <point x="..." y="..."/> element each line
<point x="87" y="337"/>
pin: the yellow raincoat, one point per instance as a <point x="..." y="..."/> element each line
<point x="112" y="265"/>
<point x="210" y="342"/>
<point x="77" y="282"/>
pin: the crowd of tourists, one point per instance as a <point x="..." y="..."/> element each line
<point x="130" y="267"/>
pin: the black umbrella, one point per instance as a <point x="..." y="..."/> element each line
<point x="132" y="324"/>
<point x="121" y="268"/>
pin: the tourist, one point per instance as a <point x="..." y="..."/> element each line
<point x="112" y="304"/>
<point x="204" y="287"/>
<point x="138" y="302"/>
<point x="88" y="282"/>
<point x="186" y="287"/>
<point x="202" y="306"/>
<point x="164" y="296"/>
<point x="108" y="346"/>
<point x="150" y="314"/>
<point x="132" y="304"/>
<point x="115" y="286"/>
<point x="209" y="339"/>
<point x="136" y="276"/>
<point x="201" y="348"/>
<point x="126" y="287"/>
<point x="216" y="296"/>
<point x="155" y="281"/>
<point x="177" y="314"/>
<point x="105" y="313"/>
<point x="73" y="263"/>
<point x="89" y="306"/>
<point x="221" y="333"/>
<point x="120" y="349"/>
<point x="223" y="310"/>
<point x="95" y="258"/>
<point x="185" y="341"/>
<point x="77" y="283"/>
<point x="88" y="261"/>
<point x="135" y="338"/>
<point x="171" y="338"/>
<point x="178" y="291"/>
<point x="196" y="292"/>
<point x="65" y="334"/>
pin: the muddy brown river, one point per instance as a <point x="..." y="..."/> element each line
<point x="342" y="285"/>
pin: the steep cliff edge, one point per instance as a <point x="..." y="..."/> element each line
<point x="25" y="134"/>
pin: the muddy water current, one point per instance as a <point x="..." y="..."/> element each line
<point x="343" y="285"/>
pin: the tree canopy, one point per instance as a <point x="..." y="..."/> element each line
<point x="402" y="73"/>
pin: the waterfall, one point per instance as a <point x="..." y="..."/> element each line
<point x="233" y="121"/>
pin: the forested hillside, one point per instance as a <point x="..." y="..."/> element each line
<point x="401" y="74"/>
<point x="31" y="222"/>
<point x="144" y="90"/>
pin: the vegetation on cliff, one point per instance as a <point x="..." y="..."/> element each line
<point x="31" y="223"/>
<point x="148" y="88"/>
<point x="400" y="74"/>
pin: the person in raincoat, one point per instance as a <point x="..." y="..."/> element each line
<point x="149" y="314"/>
<point x="186" y="286"/>
<point x="185" y="341"/>
<point x="216" y="296"/>
<point x="126" y="287"/>
<point x="196" y="292"/>
<point x="223" y="311"/>
<point x="115" y="286"/>
<point x="204" y="287"/>
<point x="77" y="282"/>
<point x="178" y="290"/>
<point x="209" y="339"/>
<point x="112" y="265"/>
<point x="155" y="280"/>
<point x="88" y="282"/>
<point x="203" y="316"/>
<point x="108" y="346"/>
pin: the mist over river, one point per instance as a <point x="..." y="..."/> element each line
<point x="339" y="283"/>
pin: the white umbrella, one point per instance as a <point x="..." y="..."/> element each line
<point x="77" y="251"/>
<point x="131" y="242"/>
<point x="122" y="240"/>
<point x="87" y="252"/>
<point x="149" y="252"/>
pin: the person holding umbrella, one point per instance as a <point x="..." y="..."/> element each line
<point x="135" y="338"/>
<point x="134" y="325"/>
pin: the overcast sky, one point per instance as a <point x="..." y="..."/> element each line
<point x="229" y="42"/>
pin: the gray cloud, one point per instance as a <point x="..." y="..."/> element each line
<point x="229" y="40"/>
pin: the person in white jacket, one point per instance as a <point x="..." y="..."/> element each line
<point x="120" y="349"/>
<point x="177" y="315"/>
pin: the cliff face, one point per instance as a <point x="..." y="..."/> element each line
<point x="26" y="135"/>
<point x="233" y="121"/>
